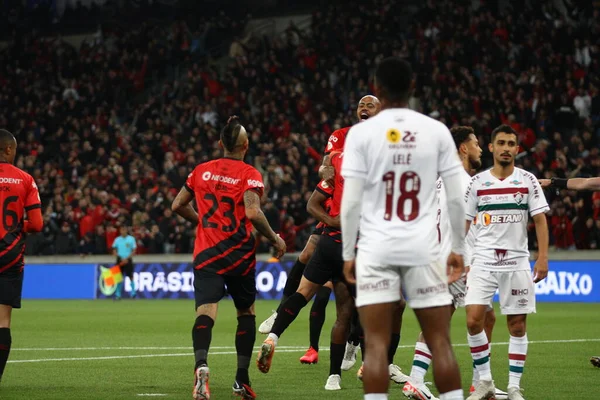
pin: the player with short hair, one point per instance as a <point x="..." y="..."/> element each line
<point x="227" y="193"/>
<point x="326" y="264"/>
<point x="500" y="201"/>
<point x="391" y="165"/>
<point x="19" y="197"/>
<point x="124" y="248"/>
<point x="368" y="106"/>
<point x="469" y="153"/>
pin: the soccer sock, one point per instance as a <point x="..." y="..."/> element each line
<point x="5" y="342"/>
<point x="245" y="336"/>
<point x="317" y="316"/>
<point x="475" y="379"/>
<point x="289" y="312"/>
<point x="480" y="351"/>
<point x="292" y="283"/>
<point x="119" y="289"/>
<point x="353" y="338"/>
<point x="393" y="347"/>
<point x="453" y="395"/>
<point x="336" y="356"/>
<point x="201" y="337"/>
<point x="517" y="353"/>
<point x="376" y="396"/>
<point x="421" y="363"/>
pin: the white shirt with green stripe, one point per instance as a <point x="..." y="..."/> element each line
<point x="500" y="210"/>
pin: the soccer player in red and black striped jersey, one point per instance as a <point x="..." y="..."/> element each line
<point x="227" y="193"/>
<point x="19" y="196"/>
<point x="368" y="106"/>
<point x="326" y="264"/>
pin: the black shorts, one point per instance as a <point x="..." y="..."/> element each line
<point x="11" y="288"/>
<point x="127" y="269"/>
<point x="317" y="231"/>
<point x="209" y="287"/>
<point x="326" y="263"/>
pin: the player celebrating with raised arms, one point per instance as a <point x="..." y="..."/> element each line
<point x="227" y="193"/>
<point x="501" y="200"/>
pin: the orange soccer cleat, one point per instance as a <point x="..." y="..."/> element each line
<point x="310" y="357"/>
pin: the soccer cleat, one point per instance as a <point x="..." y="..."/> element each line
<point x="397" y="376"/>
<point x="267" y="324"/>
<point x="418" y="392"/>
<point x="243" y="390"/>
<point x="311" y="356"/>
<point x="201" y="390"/>
<point x="265" y="355"/>
<point x="359" y="373"/>
<point x="501" y="395"/>
<point x="333" y="382"/>
<point x="349" y="356"/>
<point x="595" y="361"/>
<point x="514" y="393"/>
<point x="485" y="390"/>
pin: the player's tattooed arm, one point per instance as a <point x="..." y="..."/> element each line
<point x="256" y="216"/>
<point x="315" y="208"/>
<point x="326" y="171"/>
<point x="182" y="206"/>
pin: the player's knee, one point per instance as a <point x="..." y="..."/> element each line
<point x="474" y="324"/>
<point x="307" y="289"/>
<point x="490" y="319"/>
<point x="322" y="297"/>
<point x="306" y="254"/>
<point x="246" y="311"/>
<point x="517" y="326"/>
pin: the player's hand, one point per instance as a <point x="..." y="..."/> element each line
<point x="280" y="247"/>
<point x="545" y="182"/>
<point x="540" y="270"/>
<point x="455" y="267"/>
<point x="350" y="272"/>
<point x="335" y="222"/>
<point x="329" y="174"/>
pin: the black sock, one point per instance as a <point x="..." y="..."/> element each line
<point x="293" y="282"/>
<point x="336" y="357"/>
<point x="393" y="347"/>
<point x="245" y="336"/>
<point x="201" y="337"/>
<point x="5" y="342"/>
<point x="356" y="329"/>
<point x="317" y="316"/>
<point x="289" y="312"/>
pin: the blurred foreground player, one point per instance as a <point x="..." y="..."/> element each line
<point x="227" y="193"/>
<point x="19" y="196"/>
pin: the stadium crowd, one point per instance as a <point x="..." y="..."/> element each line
<point x="111" y="130"/>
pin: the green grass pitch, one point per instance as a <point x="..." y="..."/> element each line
<point x="121" y="350"/>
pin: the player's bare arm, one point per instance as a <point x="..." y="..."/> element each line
<point x="540" y="270"/>
<point x="315" y="208"/>
<point x="572" y="184"/>
<point x="182" y="206"/>
<point x="326" y="170"/>
<point x="259" y="221"/>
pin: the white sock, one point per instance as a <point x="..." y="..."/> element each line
<point x="475" y="379"/>
<point x="274" y="337"/>
<point x="421" y="363"/>
<point x="517" y="353"/>
<point x="453" y="395"/>
<point x="376" y="396"/>
<point x="480" y="351"/>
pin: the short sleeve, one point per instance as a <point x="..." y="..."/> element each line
<point x="354" y="164"/>
<point x="471" y="199"/>
<point x="448" y="161"/>
<point x="133" y="243"/>
<point x="254" y="182"/>
<point x="32" y="201"/>
<point x="325" y="188"/>
<point x="537" y="203"/>
<point x="115" y="243"/>
<point x="189" y="182"/>
<point x="335" y="142"/>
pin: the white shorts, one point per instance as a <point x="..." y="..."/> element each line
<point x="425" y="286"/>
<point x="516" y="290"/>
<point x="458" y="290"/>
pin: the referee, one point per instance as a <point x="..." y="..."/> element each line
<point x="124" y="248"/>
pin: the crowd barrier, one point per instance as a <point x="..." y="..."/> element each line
<point x="568" y="281"/>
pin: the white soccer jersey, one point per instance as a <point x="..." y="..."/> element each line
<point x="501" y="210"/>
<point x="444" y="230"/>
<point x="399" y="153"/>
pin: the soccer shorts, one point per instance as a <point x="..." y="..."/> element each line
<point x="424" y="286"/>
<point x="327" y="263"/>
<point x="127" y="269"/>
<point x="458" y="290"/>
<point x="318" y="230"/>
<point x="516" y="290"/>
<point x="11" y="288"/>
<point x="210" y="287"/>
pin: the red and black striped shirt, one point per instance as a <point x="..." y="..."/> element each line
<point x="334" y="195"/>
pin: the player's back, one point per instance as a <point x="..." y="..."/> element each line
<point x="18" y="194"/>
<point x="224" y="240"/>
<point x="400" y="153"/>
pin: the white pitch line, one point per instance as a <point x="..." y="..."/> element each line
<point x="280" y="349"/>
<point x="151" y="394"/>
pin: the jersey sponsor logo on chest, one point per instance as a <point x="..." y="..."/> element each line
<point x="15" y="181"/>
<point x="208" y="176"/>
<point x="488" y="219"/>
